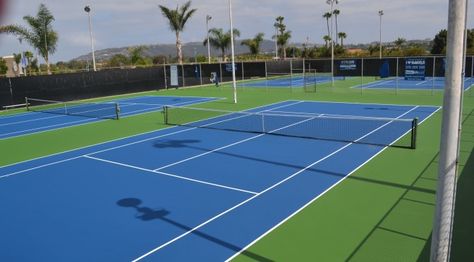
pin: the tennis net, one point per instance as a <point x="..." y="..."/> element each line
<point x="354" y="129"/>
<point x="105" y="110"/>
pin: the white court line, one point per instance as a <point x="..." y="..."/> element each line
<point x="43" y="127"/>
<point x="262" y="192"/>
<point x="170" y="175"/>
<point x="320" y="195"/>
<point x="230" y="145"/>
<point x="115" y="140"/>
<point x="41" y="166"/>
<point x="30" y="120"/>
<point x="84" y="121"/>
<point x="362" y="103"/>
<point x="181" y="131"/>
<point x="423" y="82"/>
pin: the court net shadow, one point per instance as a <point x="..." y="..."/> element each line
<point x="149" y="214"/>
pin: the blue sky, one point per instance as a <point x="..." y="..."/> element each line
<point x="118" y="23"/>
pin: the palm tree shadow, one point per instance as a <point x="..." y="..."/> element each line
<point x="150" y="214"/>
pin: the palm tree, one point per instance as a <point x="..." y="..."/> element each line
<point x="400" y="42"/>
<point x="336" y="12"/>
<point x="283" y="35"/>
<point x="342" y="36"/>
<point x="254" y="44"/>
<point x="327" y="39"/>
<point x="220" y="40"/>
<point x="29" y="57"/>
<point x="177" y="20"/>
<point x="39" y="35"/>
<point x="327" y="16"/>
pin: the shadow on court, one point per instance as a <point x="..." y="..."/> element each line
<point x="187" y="143"/>
<point x="149" y="214"/>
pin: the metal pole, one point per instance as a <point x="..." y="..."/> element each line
<point x="397" y="77"/>
<point x="331" y="3"/>
<point x="208" y="18"/>
<point x="276" y="42"/>
<point x="88" y="11"/>
<point x="380" y="42"/>
<point x="450" y="133"/>
<point x="433" y="77"/>
<point x="234" y="83"/>
<point x="362" y="76"/>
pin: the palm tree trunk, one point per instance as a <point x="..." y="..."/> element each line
<point x="342" y="42"/>
<point x="179" y="48"/>
<point x="284" y="52"/>
<point x="48" y="67"/>
<point x="337" y="32"/>
<point x="223" y="54"/>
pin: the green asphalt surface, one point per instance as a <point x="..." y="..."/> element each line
<point x="382" y="212"/>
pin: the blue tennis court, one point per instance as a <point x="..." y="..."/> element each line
<point x="34" y="122"/>
<point x="185" y="193"/>
<point x="430" y="83"/>
<point x="289" y="81"/>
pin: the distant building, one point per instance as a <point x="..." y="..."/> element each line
<point x="13" y="69"/>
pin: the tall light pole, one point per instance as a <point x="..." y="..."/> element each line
<point x="380" y="41"/>
<point x="451" y="128"/>
<point x="276" y="40"/>
<point x="88" y="11"/>
<point x="331" y="3"/>
<point x="208" y="18"/>
<point x="234" y="83"/>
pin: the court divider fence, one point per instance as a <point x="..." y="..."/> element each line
<point x="392" y="74"/>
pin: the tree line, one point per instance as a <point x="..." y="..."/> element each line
<point x="41" y="36"/>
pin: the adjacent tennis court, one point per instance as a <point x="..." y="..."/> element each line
<point x="49" y="115"/>
<point x="288" y="81"/>
<point x="430" y="83"/>
<point x="197" y="191"/>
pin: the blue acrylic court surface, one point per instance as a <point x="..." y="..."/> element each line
<point x="181" y="193"/>
<point x="34" y="122"/>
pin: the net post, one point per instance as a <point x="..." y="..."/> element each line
<point x="27" y="104"/>
<point x="165" y="114"/>
<point x="117" y="111"/>
<point x="414" y="129"/>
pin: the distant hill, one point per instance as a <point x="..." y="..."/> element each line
<point x="189" y="49"/>
<point x="267" y="46"/>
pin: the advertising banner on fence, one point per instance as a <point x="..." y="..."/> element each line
<point x="174" y="75"/>
<point x="415" y="69"/>
<point x="348" y="65"/>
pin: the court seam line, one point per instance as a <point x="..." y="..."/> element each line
<point x="331" y="187"/>
<point x="262" y="192"/>
<point x="67" y="125"/>
<point x="232" y="144"/>
<point x="171" y="175"/>
<point x="111" y="141"/>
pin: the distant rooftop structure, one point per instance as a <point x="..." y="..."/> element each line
<point x="13" y="69"/>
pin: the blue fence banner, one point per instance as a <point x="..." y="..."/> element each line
<point x="415" y="69"/>
<point x="347" y="65"/>
<point x="228" y="68"/>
